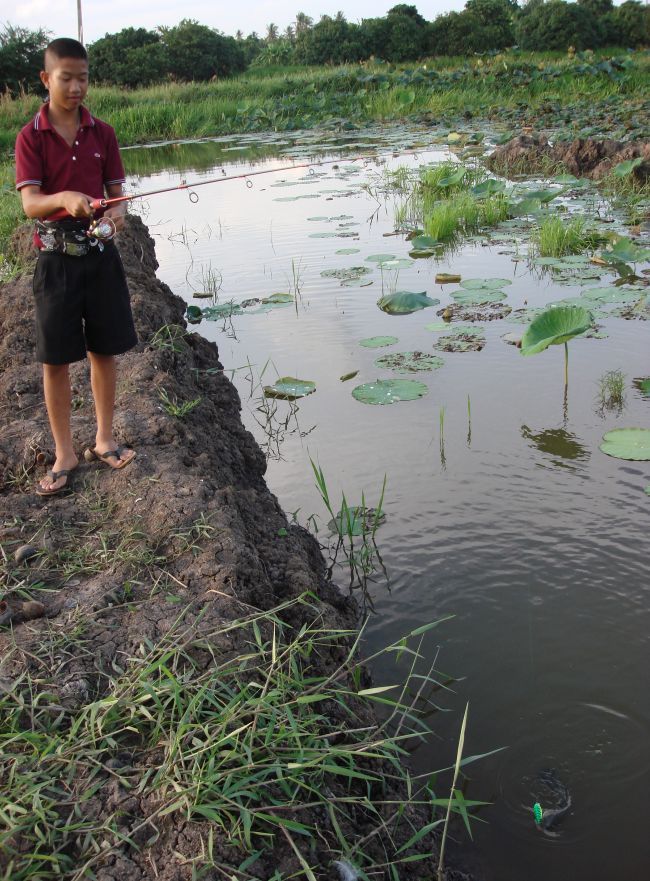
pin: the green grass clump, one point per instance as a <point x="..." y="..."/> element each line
<point x="255" y="743"/>
<point x="11" y="216"/>
<point x="557" y="238"/>
<point x="611" y="390"/>
<point x="446" y="219"/>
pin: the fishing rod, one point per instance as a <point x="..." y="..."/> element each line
<point x="96" y="228"/>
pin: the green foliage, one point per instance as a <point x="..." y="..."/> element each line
<point x="197" y="52"/>
<point x="21" y="57"/>
<point x="555" y="238"/>
<point x="132" y="57"/>
<point x="558" y="25"/>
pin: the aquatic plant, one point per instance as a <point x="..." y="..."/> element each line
<point x="627" y="443"/>
<point x="554" y="327"/>
<point x="611" y="390"/>
<point x="555" y="238"/>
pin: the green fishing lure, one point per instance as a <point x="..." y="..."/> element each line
<point x="538" y="813"/>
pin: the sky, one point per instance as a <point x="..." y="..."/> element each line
<point x="108" y="16"/>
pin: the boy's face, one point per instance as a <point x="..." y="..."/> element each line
<point x="66" y="79"/>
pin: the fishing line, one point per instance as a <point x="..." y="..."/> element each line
<point x="96" y="204"/>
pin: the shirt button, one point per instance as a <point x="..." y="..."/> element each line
<point x="74" y="158"/>
<point x="77" y="143"/>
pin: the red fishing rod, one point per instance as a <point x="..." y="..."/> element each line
<point x="96" y="204"/>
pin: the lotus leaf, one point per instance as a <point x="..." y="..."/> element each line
<point x="397" y="263"/>
<point x="485" y="284"/>
<point x="643" y="385"/>
<point x="489" y="187"/>
<point x="378" y="342"/>
<point x="348" y="251"/>
<point x="525" y="208"/>
<point x="627" y="167"/>
<point x="380" y="258"/>
<point x="477" y="297"/>
<point x="348" y="274"/>
<point x="194" y="314"/>
<point x="611" y="295"/>
<point x="417" y="255"/>
<point x="409" y="362"/>
<point x="356" y="520"/>
<point x="347" y="376"/>
<point x="405" y="302"/>
<point x="221" y="310"/>
<point x="389" y="391"/>
<point x="424" y="243"/>
<point x="279" y="298"/>
<point x="467" y="340"/>
<point x="554" y="326"/>
<point x="447" y="278"/>
<point x="624" y="250"/>
<point x="627" y="443"/>
<point x="288" y="388"/>
<point x="454" y="178"/>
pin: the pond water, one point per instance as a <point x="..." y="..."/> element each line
<point x="503" y="513"/>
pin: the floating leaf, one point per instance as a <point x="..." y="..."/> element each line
<point x="424" y="243"/>
<point x="221" y="310"/>
<point x="288" y="388"/>
<point x="488" y="187"/>
<point x="405" y="302"/>
<point x="348" y="250"/>
<point x="409" y="362"/>
<point x="389" y="391"/>
<point x="477" y="297"/>
<point x="524" y="208"/>
<point x="555" y="326"/>
<point x="377" y="342"/>
<point x="461" y="339"/>
<point x="351" y="273"/>
<point x="453" y="179"/>
<point x="380" y="258"/>
<point x="485" y="284"/>
<point x="279" y="298"/>
<point x="347" y="376"/>
<point x="643" y="385"/>
<point x="447" y="278"/>
<point x="194" y="314"/>
<point x="627" y="443"/>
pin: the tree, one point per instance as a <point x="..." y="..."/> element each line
<point x="271" y="33"/>
<point x="558" y="25"/>
<point x="303" y="23"/>
<point x="21" y="57"/>
<point x="197" y="52"/>
<point x="331" y="41"/>
<point x="409" y="11"/>
<point x="629" y="24"/>
<point x="132" y="57"/>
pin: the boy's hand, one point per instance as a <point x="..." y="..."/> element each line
<point x="77" y="204"/>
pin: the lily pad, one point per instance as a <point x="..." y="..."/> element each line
<point x="466" y="340"/>
<point x="405" y="302"/>
<point x="409" y="362"/>
<point x="424" y="243"/>
<point x="356" y="520"/>
<point x="627" y="167"/>
<point x="380" y="258"/>
<point x="389" y="391"/>
<point x="221" y="310"/>
<point x="194" y="314"/>
<point x="348" y="250"/>
<point x="627" y="443"/>
<point x="477" y="297"/>
<point x="485" y="284"/>
<point x="488" y="187"/>
<point x="350" y="273"/>
<point x="555" y="326"/>
<point x="377" y="342"/>
<point x="347" y="376"/>
<point x="279" y="298"/>
<point x="643" y="385"/>
<point x="288" y="388"/>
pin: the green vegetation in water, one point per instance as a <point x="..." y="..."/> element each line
<point x="627" y="443"/>
<point x="611" y="391"/>
<point x="557" y="238"/>
<point x="556" y="326"/>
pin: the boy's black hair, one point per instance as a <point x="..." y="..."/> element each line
<point x="64" y="47"/>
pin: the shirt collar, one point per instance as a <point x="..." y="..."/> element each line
<point x="42" y="120"/>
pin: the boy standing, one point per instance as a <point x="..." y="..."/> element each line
<point x="65" y="158"/>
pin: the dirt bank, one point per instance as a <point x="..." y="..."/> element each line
<point x="530" y="152"/>
<point x="185" y="540"/>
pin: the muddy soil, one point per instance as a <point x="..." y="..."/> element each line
<point x="584" y="157"/>
<point x="204" y="468"/>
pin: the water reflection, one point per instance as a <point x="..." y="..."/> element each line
<point x="557" y="442"/>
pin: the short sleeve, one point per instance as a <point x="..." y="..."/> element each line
<point x="29" y="160"/>
<point x="113" y="168"/>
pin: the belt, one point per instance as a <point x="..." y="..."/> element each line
<point x="66" y="237"/>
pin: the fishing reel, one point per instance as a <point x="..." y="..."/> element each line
<point x="103" y="229"/>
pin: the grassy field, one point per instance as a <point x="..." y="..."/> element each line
<point x="562" y="92"/>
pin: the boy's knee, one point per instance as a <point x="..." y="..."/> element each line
<point x="55" y="370"/>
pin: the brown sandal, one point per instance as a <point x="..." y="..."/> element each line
<point x="54" y="476"/>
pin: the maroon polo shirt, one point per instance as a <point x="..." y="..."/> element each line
<point x="44" y="159"/>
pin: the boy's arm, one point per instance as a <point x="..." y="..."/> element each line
<point x="38" y="204"/>
<point x="115" y="212"/>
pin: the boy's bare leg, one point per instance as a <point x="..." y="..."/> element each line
<point x="103" y="380"/>
<point x="56" y="386"/>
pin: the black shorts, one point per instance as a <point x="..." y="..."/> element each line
<point x="82" y="304"/>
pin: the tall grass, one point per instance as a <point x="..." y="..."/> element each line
<point x="557" y="238"/>
<point x="256" y="744"/>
